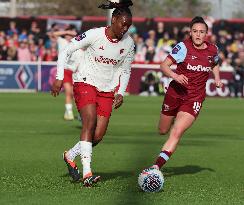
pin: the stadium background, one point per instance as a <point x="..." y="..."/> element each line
<point x="154" y="38"/>
<point x="207" y="168"/>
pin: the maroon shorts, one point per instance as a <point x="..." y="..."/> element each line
<point x="85" y="94"/>
<point x="68" y="76"/>
<point x="171" y="106"/>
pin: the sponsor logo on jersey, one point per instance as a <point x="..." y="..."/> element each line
<point x="198" y="68"/>
<point x="80" y="37"/>
<point x="176" y="49"/>
<point x="104" y="60"/>
<point x="121" y="51"/>
<point x="193" y="57"/>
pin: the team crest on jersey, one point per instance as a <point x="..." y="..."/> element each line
<point x="80" y="37"/>
<point x="210" y="59"/>
<point x="176" y="49"/>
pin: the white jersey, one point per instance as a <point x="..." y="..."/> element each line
<point x="105" y="62"/>
<point x="74" y="60"/>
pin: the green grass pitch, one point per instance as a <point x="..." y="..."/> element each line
<point x="207" y="168"/>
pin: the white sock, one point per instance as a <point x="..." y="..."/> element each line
<point x="86" y="154"/>
<point x="73" y="152"/>
<point x="68" y="107"/>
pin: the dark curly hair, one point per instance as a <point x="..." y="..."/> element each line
<point x="198" y="19"/>
<point x="120" y="8"/>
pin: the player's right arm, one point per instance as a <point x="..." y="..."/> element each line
<point x="177" y="55"/>
<point x="165" y="67"/>
<point x="79" y="42"/>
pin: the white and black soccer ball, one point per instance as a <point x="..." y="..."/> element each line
<point x="151" y="180"/>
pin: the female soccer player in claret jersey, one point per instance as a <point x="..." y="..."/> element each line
<point x="195" y="59"/>
<point x="108" y="54"/>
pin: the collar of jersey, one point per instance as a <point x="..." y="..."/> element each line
<point x="110" y="39"/>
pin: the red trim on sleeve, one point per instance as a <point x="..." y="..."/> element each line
<point x="171" y="58"/>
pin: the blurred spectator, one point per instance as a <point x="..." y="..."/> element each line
<point x="150" y="51"/>
<point x="3" y="47"/>
<point x="238" y="78"/>
<point x="11" y="51"/>
<point x="24" y="52"/>
<point x="160" y="30"/>
<point x="35" y="31"/>
<point x="139" y="46"/>
<point x="41" y="49"/>
<point x="177" y="34"/>
<point x="12" y="29"/>
<point x="23" y="36"/>
<point x="149" y="84"/>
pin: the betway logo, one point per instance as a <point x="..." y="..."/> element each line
<point x="104" y="60"/>
<point x="198" y="68"/>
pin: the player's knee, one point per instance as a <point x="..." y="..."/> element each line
<point x="163" y="131"/>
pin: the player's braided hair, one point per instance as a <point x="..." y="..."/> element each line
<point x="198" y="19"/>
<point x="120" y="8"/>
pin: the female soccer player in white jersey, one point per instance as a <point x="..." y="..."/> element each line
<point x="70" y="68"/>
<point x="106" y="63"/>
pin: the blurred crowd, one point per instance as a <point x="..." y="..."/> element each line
<point x="27" y="45"/>
<point x="152" y="46"/>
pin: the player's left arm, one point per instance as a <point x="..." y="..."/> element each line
<point x="124" y="78"/>
<point x="217" y="79"/>
<point x="215" y="71"/>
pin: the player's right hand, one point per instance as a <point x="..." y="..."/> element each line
<point x="56" y="87"/>
<point x="182" y="79"/>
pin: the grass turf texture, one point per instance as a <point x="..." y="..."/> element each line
<point x="206" y="169"/>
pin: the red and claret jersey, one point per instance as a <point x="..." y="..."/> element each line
<point x="196" y="65"/>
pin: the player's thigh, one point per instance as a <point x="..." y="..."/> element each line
<point x="183" y="121"/>
<point x="84" y="94"/>
<point x="168" y="112"/>
<point x="105" y="103"/>
<point x="165" y="123"/>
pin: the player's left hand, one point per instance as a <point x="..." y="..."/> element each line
<point x="118" y="101"/>
<point x="56" y="87"/>
<point x="218" y="84"/>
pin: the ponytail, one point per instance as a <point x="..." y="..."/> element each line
<point x="116" y="5"/>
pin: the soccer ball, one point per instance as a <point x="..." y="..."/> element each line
<point x="151" y="180"/>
